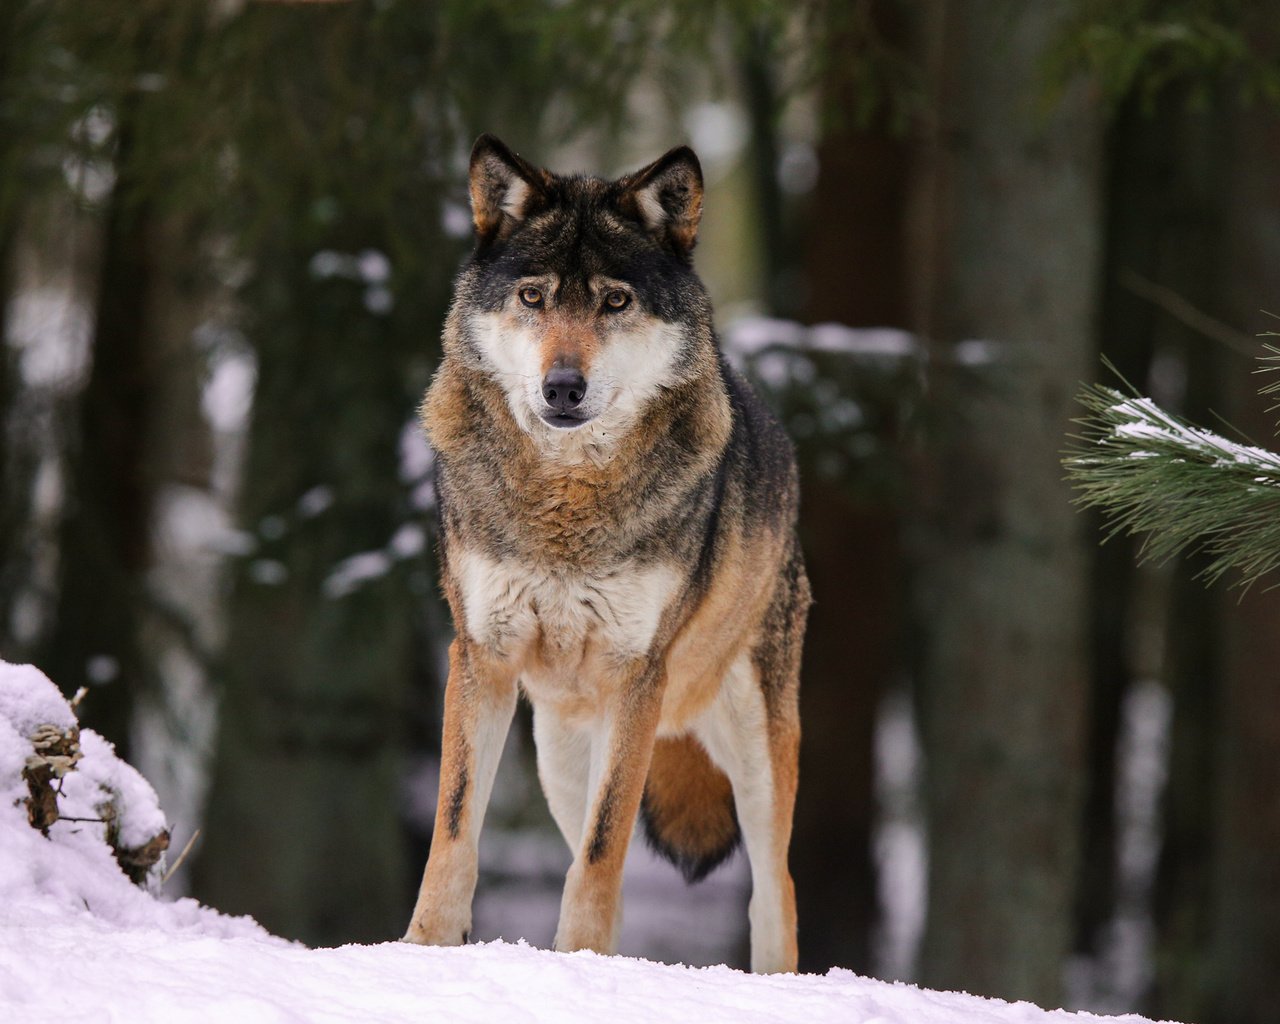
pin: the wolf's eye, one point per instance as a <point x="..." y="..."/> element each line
<point x="616" y="300"/>
<point x="531" y="296"/>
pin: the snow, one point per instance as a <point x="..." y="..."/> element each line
<point x="1148" y="422"/>
<point x="269" y="572"/>
<point x="49" y="330"/>
<point x="416" y="457"/>
<point x="315" y="501"/>
<point x="28" y="700"/>
<point x="228" y="393"/>
<point x="69" y="882"/>
<point x="455" y="220"/>
<point x="482" y="983"/>
<point x="1124" y="968"/>
<point x="370" y="267"/>
<point x="408" y="541"/>
<point x="719" y="132"/>
<point x="898" y="842"/>
<point x="79" y="942"/>
<point x="355" y="570"/>
<point x="750" y="335"/>
<point x="977" y="352"/>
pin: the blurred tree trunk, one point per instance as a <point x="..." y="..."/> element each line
<point x="1164" y="184"/>
<point x="307" y="767"/>
<point x="1134" y="178"/>
<point x="1184" y="256"/>
<point x="103" y="547"/>
<point x="1243" y="961"/>
<point x="14" y="495"/>
<point x="1183" y="883"/>
<point x="855" y="269"/>
<point x="309" y="757"/>
<point x="849" y="659"/>
<point x="764" y="153"/>
<point x="1010" y="200"/>
<point x="1244" y="936"/>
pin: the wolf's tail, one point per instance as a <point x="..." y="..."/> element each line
<point x="688" y="810"/>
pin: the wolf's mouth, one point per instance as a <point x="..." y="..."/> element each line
<point x="562" y="421"/>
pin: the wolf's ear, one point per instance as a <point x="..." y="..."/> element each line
<point x="504" y="188"/>
<point x="666" y="197"/>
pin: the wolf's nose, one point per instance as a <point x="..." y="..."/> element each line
<point x="564" y="388"/>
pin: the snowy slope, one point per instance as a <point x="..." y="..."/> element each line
<point x="79" y="942"/>
<point x="149" y="975"/>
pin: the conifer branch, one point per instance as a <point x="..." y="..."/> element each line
<point x="1178" y="485"/>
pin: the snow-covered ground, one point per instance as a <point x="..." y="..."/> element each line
<point x="80" y="942"/>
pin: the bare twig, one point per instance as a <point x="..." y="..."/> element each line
<point x="181" y="857"/>
<point x="1187" y="314"/>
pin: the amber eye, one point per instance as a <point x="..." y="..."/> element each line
<point x="616" y="300"/>
<point x="531" y="296"/>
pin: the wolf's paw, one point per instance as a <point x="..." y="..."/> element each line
<point x="437" y="933"/>
<point x="585" y="933"/>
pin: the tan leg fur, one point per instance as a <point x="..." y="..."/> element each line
<point x="479" y="702"/>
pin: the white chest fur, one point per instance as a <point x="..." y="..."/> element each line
<point x="520" y="612"/>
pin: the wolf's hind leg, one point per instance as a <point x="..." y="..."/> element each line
<point x="568" y="777"/>
<point x="479" y="701"/>
<point x="564" y="769"/>
<point x="621" y="748"/>
<point x="758" y="748"/>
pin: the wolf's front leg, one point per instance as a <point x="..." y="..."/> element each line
<point x="479" y="700"/>
<point x="590" y="911"/>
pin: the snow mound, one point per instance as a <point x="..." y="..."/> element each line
<point x="71" y="875"/>
<point x="28" y="700"/>
<point x="78" y="941"/>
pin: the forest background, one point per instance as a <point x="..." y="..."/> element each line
<point x="1031" y="768"/>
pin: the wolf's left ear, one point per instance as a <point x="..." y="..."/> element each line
<point x="666" y="197"/>
<point x="504" y="187"/>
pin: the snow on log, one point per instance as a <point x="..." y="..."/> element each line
<point x="76" y="777"/>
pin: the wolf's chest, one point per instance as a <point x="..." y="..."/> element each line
<point x="540" y="618"/>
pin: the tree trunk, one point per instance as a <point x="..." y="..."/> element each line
<point x="1244" y="937"/>
<point x="855" y="269"/>
<point x="1164" y="237"/>
<point x="104" y="541"/>
<point x="1126" y="341"/>
<point x="850" y="654"/>
<point x="14" y="495"/>
<point x="308" y="756"/>
<point x="1160" y="232"/>
<point x="1011" y="206"/>
<point x="318" y="660"/>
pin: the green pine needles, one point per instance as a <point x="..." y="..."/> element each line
<point x="1178" y="485"/>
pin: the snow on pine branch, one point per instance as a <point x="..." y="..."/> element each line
<point x="1178" y="485"/>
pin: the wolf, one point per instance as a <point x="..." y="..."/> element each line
<point x="618" y="542"/>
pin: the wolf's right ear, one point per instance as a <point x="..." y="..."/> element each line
<point x="504" y="188"/>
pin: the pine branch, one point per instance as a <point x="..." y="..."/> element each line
<point x="1271" y="364"/>
<point x="1179" y="485"/>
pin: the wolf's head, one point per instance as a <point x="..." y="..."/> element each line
<point x="580" y="300"/>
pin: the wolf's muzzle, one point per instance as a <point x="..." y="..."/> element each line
<point x="563" y="389"/>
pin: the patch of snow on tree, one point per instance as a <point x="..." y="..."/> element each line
<point x="1147" y="421"/>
